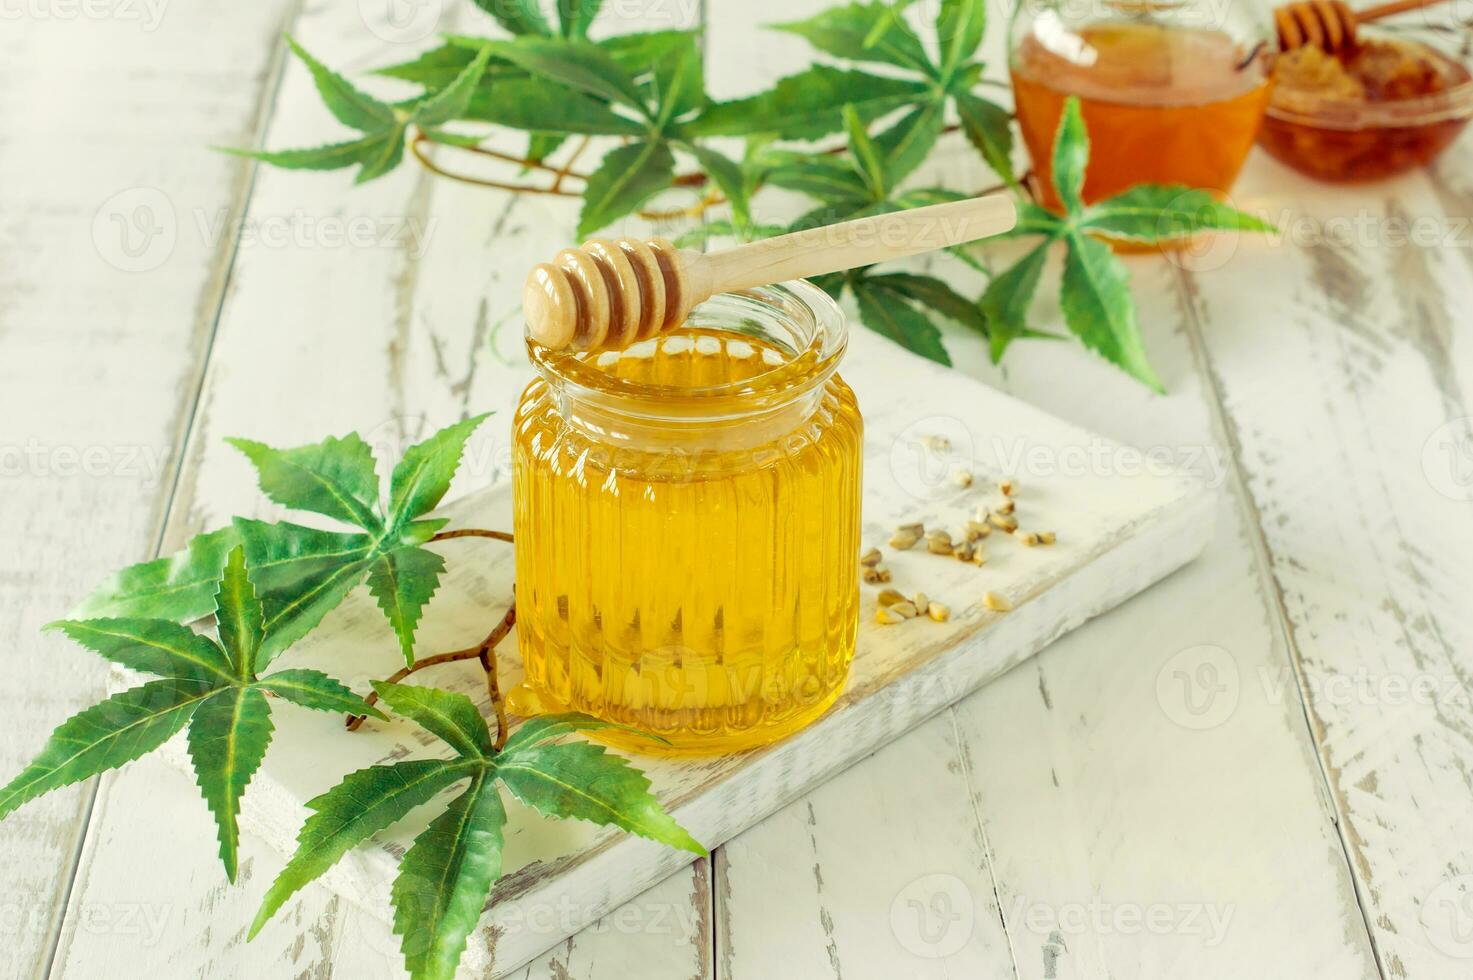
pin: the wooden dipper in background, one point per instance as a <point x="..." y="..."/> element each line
<point x="610" y="294"/>
<point x="1331" y="24"/>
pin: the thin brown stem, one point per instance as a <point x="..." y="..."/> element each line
<point x="566" y="170"/>
<point x="483" y="651"/>
<point x="472" y="532"/>
<point x="434" y="168"/>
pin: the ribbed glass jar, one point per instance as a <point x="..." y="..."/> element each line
<point x="687" y="524"/>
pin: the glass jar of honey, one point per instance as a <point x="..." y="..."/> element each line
<point x="687" y="525"/>
<point x="1172" y="91"/>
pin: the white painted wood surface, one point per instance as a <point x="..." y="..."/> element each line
<point x="1306" y="379"/>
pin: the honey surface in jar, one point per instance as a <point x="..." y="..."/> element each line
<point x="687" y="566"/>
<point x="1165" y="105"/>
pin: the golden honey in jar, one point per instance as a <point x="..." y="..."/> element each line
<point x="687" y="525"/>
<point x="1171" y="93"/>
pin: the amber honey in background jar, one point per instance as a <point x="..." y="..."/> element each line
<point x="1170" y="92"/>
<point x="687" y="524"/>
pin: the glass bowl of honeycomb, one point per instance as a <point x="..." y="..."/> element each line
<point x="1391" y="102"/>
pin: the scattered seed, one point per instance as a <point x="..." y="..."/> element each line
<point x="1047" y="537"/>
<point x="916" y="528"/>
<point x="903" y="541"/>
<point x="871" y="558"/>
<point x="1004" y="522"/>
<point x="906" y="609"/>
<point x="997" y="603"/>
<point x="937" y="444"/>
<point x="977" y="530"/>
<point x="1029" y="538"/>
<point x="981" y="513"/>
<point x="920" y="600"/>
<point x="1006" y="507"/>
<point x="887" y="616"/>
<point x="889" y="597"/>
<point x="979" y="557"/>
<point x="938" y="542"/>
<point x="1007" y="486"/>
<point x="874" y="574"/>
<point x="938" y="612"/>
<point x="964" y="551"/>
<point x="962" y="478"/>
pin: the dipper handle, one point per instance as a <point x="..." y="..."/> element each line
<point x="609" y="294"/>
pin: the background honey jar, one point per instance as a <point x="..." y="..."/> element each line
<point x="1172" y="93"/>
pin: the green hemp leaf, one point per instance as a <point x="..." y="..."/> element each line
<point x="445" y="877"/>
<point x="300" y="572"/>
<point x="1095" y="291"/>
<point x="210" y="685"/>
<point x="381" y="145"/>
<point x="813" y="102"/>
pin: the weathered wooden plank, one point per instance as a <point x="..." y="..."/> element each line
<point x="410" y="328"/>
<point x="108" y="290"/>
<point x="1080" y="776"/>
<point x="1343" y="377"/>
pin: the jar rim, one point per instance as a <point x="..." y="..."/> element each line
<point x="809" y="314"/>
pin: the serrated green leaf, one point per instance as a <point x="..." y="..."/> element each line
<point x="452" y="101"/>
<point x="1095" y="299"/>
<point x="374" y="155"/>
<point x="153" y="646"/>
<point x="626" y="178"/>
<point x="679" y="83"/>
<point x="448" y="716"/>
<point x="228" y="736"/>
<point x="238" y="615"/>
<point x="863" y="32"/>
<point x="445" y="879"/>
<point x="334" y="477"/>
<point x="989" y="128"/>
<point x="867" y="159"/>
<point x="351" y="107"/>
<point x="960" y="25"/>
<point x="637" y="52"/>
<point x="1152" y="213"/>
<point x="827" y="178"/>
<point x="807" y="105"/>
<point x="1071" y="156"/>
<point x="403" y="581"/>
<point x="422" y="477"/>
<point x="577" y="64"/>
<point x="521" y="17"/>
<point x="728" y="176"/>
<point x="583" y="781"/>
<point x="437" y="67"/>
<point x="542" y="145"/>
<point x="906" y="144"/>
<point x="534" y="104"/>
<point x="105" y="736"/>
<point x="889" y="314"/>
<point x="314" y="689"/>
<point x="546" y="728"/>
<point x="180" y="586"/>
<point x="1008" y="296"/>
<point x="575" y="16"/>
<point x="301" y="574"/>
<point x="932" y="292"/>
<point x="362" y="804"/>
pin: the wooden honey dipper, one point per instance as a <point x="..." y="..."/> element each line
<point x="1331" y="24"/>
<point x="610" y="294"/>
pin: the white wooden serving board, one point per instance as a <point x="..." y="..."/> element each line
<point x="1122" y="525"/>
